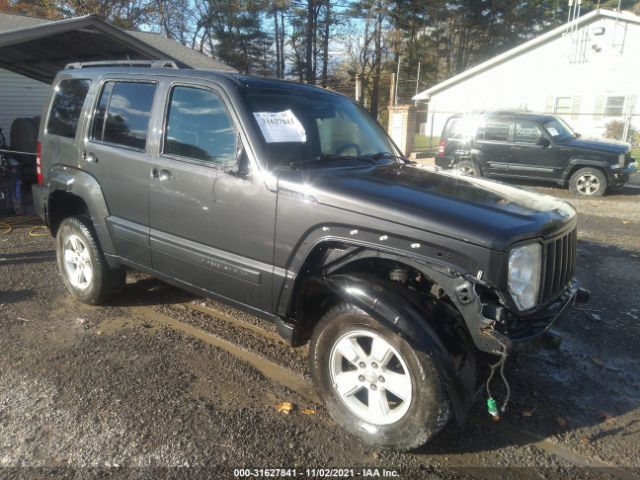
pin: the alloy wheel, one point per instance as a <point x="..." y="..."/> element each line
<point x="587" y="184"/>
<point x="371" y="377"/>
<point x="77" y="262"/>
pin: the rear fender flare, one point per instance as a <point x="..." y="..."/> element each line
<point x="85" y="186"/>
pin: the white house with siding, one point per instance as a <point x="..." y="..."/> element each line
<point x="588" y="71"/>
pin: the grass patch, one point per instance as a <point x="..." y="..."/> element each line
<point x="635" y="153"/>
<point x="422" y="142"/>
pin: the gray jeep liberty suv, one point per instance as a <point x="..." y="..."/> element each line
<point x="290" y="202"/>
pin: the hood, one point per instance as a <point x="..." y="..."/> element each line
<point x="471" y="209"/>
<point x="602" y="145"/>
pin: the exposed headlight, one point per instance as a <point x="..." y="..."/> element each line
<point x="524" y="275"/>
<point x="621" y="159"/>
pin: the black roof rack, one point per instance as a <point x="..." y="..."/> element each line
<point x="124" y="63"/>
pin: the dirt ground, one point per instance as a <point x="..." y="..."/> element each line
<point x="161" y="379"/>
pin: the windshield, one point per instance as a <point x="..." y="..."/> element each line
<point x="299" y="125"/>
<point x="559" y="129"/>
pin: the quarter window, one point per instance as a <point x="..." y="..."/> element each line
<point x="122" y="114"/>
<point x="527" y="132"/>
<point x="66" y="107"/>
<point x="199" y="127"/>
<point x="614" y="107"/>
<point x="494" y="130"/>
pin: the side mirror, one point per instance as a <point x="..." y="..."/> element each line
<point x="543" y="142"/>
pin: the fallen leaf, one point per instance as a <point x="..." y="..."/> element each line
<point x="308" y="411"/>
<point x="284" y="407"/>
<point x="606" y="417"/>
<point x="584" y="440"/>
<point x="626" y="222"/>
<point x="562" y="422"/>
<point x="528" y="413"/>
<point x="597" y="361"/>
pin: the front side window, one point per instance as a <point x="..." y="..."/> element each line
<point x="614" y="107"/>
<point x="199" y="127"/>
<point x="123" y="112"/>
<point x="527" y="132"/>
<point x="66" y="107"/>
<point x="494" y="130"/>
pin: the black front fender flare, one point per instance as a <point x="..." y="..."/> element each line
<point x="402" y="312"/>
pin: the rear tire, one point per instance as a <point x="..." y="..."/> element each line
<point x="84" y="270"/>
<point x="588" y="182"/>
<point x="397" y="401"/>
<point x="468" y="168"/>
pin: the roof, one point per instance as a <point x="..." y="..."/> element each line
<point x="531" y="44"/>
<point x="39" y="48"/>
<point x="191" y="57"/>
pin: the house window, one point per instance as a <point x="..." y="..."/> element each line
<point x="614" y="107"/>
<point x="563" y="105"/>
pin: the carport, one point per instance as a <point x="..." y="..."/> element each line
<point x="37" y="49"/>
<point x="40" y="51"/>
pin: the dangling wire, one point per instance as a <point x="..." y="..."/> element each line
<point x="499" y="364"/>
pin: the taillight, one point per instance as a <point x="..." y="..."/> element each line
<point x="39" y="163"/>
<point x="441" y="146"/>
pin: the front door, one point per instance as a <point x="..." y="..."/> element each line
<point x="210" y="226"/>
<point x="115" y="152"/>
<point x="532" y="154"/>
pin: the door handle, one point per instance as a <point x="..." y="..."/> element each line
<point x="163" y="174"/>
<point x="90" y="158"/>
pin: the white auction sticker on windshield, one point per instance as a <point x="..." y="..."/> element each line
<point x="553" y="131"/>
<point x="279" y="127"/>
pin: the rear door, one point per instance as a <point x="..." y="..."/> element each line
<point x="492" y="149"/>
<point x="116" y="152"/>
<point x="210" y="226"/>
<point x="529" y="157"/>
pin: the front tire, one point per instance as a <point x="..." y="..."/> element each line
<point x="588" y="182"/>
<point x="373" y="383"/>
<point x="84" y="270"/>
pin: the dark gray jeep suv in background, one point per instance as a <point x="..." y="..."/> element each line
<point x="290" y="202"/>
<point x="533" y="146"/>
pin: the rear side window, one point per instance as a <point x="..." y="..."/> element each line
<point x="66" y="107"/>
<point x="494" y="130"/>
<point x="199" y="127"/>
<point x="122" y="114"/>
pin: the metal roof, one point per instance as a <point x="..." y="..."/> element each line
<point x="39" y="48"/>
<point x="546" y="37"/>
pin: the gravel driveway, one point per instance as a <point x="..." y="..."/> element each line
<point x="162" y="379"/>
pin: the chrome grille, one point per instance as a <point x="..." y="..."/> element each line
<point x="559" y="264"/>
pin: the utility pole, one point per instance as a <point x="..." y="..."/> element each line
<point x="392" y="89"/>
<point x="395" y="99"/>
<point x="417" y="83"/>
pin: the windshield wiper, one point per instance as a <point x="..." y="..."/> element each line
<point x="331" y="157"/>
<point x="381" y="155"/>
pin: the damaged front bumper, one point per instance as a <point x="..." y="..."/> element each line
<point x="498" y="331"/>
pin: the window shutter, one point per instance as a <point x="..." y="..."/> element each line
<point x="548" y="107"/>
<point x="632" y="102"/>
<point x="575" y="107"/>
<point x="598" y="111"/>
